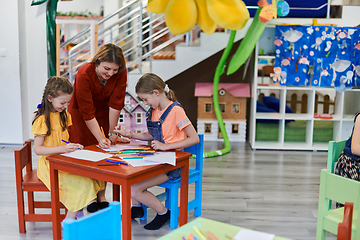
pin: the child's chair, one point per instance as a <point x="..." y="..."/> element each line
<point x="341" y="190"/>
<point x="334" y="151"/>
<point x="29" y="183"/>
<point x="344" y="228"/>
<point x="172" y="187"/>
<point x="104" y="224"/>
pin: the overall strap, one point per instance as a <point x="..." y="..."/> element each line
<point x="164" y="115"/>
<point x="148" y="113"/>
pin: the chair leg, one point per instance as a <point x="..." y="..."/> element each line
<point x="21" y="210"/>
<point x="167" y="200"/>
<point x="145" y="208"/>
<point x="198" y="196"/>
<point x="173" y="198"/>
<point x="31" y="202"/>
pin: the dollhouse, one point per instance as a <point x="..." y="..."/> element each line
<point x="132" y="116"/>
<point x="232" y="101"/>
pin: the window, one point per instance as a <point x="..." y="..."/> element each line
<point x="121" y="118"/>
<point x="138" y="118"/>
<point x="138" y="131"/>
<point x="235" y="108"/>
<point x="127" y="100"/>
<point x="207" y="127"/>
<point x="222" y="107"/>
<point x="208" y="107"/>
<point x="234" y="128"/>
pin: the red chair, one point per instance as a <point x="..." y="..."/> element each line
<point x="29" y="183"/>
<point x="344" y="228"/>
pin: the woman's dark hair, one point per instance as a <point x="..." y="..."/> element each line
<point x="55" y="86"/>
<point x="110" y="53"/>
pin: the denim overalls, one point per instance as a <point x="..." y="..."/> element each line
<point x="155" y="129"/>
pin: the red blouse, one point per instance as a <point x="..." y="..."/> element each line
<point x="91" y="100"/>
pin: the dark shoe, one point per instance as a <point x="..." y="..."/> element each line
<point x="158" y="221"/>
<point x="103" y="205"/>
<point x="137" y="212"/>
<point x="93" y="207"/>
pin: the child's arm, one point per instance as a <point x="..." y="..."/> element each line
<point x="40" y="149"/>
<point x="193" y="138"/>
<point x="145" y="136"/>
<point x="355" y="142"/>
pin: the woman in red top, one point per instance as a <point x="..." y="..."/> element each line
<point x="99" y="93"/>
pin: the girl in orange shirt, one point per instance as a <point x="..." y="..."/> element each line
<point x="168" y="128"/>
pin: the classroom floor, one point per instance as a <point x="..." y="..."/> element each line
<point x="269" y="191"/>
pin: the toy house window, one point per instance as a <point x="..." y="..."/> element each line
<point x="222" y="107"/>
<point x="208" y="107"/>
<point x="121" y="118"/>
<point x="207" y="127"/>
<point x="234" y="128"/>
<point x="235" y="108"/>
<point x="138" y="118"/>
<point x="138" y="130"/>
<point x="127" y="100"/>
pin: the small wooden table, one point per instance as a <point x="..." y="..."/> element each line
<point x="118" y="175"/>
<point x="218" y="228"/>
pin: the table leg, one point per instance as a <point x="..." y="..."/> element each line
<point x="126" y="211"/>
<point x="184" y="193"/>
<point x="116" y="192"/>
<point x="55" y="203"/>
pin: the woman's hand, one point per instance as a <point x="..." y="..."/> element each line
<point x="158" y="145"/>
<point x="104" y="143"/>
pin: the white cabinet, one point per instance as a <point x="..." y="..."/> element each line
<point x="301" y="130"/>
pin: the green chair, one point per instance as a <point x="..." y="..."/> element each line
<point x="334" y="151"/>
<point x="339" y="189"/>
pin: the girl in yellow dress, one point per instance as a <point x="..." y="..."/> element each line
<point x="50" y="128"/>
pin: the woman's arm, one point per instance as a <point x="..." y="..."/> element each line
<point x="40" y="149"/>
<point x="193" y="138"/>
<point x="355" y="141"/>
<point x="94" y="128"/>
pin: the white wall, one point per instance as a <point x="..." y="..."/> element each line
<point x="10" y="95"/>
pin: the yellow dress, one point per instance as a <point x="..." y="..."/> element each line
<point x="75" y="191"/>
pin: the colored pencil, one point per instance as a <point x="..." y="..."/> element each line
<point x="68" y="143"/>
<point x="109" y="164"/>
<point x="113" y="161"/>
<point x="102" y="130"/>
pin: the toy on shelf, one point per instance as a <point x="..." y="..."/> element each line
<point x="232" y="100"/>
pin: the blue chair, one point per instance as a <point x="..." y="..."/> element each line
<point x="171" y="194"/>
<point x="104" y="224"/>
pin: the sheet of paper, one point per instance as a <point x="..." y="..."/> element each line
<point x="111" y="149"/>
<point x="163" y="157"/>
<point x="246" y="234"/>
<point x="126" y="146"/>
<point x="140" y="162"/>
<point x="87" y="155"/>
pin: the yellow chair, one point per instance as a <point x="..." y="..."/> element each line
<point x="339" y="189"/>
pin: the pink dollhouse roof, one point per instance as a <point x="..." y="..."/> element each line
<point x="236" y="89"/>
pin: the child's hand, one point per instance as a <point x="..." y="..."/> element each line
<point x="114" y="139"/>
<point x="121" y="131"/>
<point x="72" y="147"/>
<point x="158" y="145"/>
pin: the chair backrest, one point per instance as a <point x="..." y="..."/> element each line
<point x="334" y="151"/>
<point x="344" y="228"/>
<point x="23" y="158"/>
<point x="198" y="151"/>
<point x="104" y="224"/>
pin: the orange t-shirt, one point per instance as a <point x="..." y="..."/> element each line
<point x="174" y="124"/>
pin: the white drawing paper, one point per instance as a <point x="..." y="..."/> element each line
<point x="87" y="155"/>
<point x="246" y="234"/>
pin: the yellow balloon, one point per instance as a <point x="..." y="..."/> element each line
<point x="157" y="6"/>
<point x="204" y="20"/>
<point x="180" y="16"/>
<point x="229" y="14"/>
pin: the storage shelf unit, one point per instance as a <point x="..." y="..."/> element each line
<point x="346" y="104"/>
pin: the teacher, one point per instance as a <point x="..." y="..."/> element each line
<point x="98" y="97"/>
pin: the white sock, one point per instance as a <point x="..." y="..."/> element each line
<point x="163" y="212"/>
